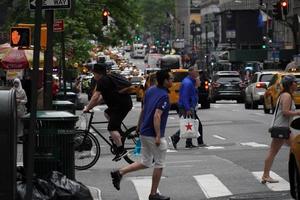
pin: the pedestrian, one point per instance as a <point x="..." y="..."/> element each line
<point x="286" y="111"/>
<point x="21" y="100"/>
<point x="151" y="125"/>
<point x="187" y="107"/>
<point x="118" y="105"/>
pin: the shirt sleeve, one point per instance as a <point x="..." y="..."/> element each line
<point x="102" y="84"/>
<point x="185" y="95"/>
<point x="163" y="103"/>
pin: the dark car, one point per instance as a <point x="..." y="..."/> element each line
<point x="227" y="85"/>
<point x="203" y="90"/>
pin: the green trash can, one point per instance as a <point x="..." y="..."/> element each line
<point x="64" y="106"/>
<point x="54" y="145"/>
<point x="70" y="96"/>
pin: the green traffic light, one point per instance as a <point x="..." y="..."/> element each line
<point x="264" y="46"/>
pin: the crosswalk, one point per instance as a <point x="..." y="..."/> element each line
<point x="205" y="186"/>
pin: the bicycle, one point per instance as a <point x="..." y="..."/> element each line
<point x="87" y="146"/>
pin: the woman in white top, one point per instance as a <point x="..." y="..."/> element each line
<point x="21" y="100"/>
<point x="286" y="111"/>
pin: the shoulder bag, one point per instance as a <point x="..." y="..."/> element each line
<point x="280" y="132"/>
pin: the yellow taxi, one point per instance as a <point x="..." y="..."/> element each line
<point x="294" y="161"/>
<point x="178" y="74"/>
<point x="273" y="91"/>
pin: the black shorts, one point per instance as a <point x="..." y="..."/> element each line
<point x="116" y="116"/>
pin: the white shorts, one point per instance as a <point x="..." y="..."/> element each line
<point x="152" y="154"/>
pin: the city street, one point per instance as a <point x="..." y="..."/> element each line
<point x="229" y="167"/>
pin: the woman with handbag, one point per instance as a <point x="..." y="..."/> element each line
<point x="284" y="112"/>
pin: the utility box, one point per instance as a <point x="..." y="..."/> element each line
<point x="8" y="147"/>
<point x="54" y="145"/>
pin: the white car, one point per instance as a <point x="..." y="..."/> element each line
<point x="254" y="92"/>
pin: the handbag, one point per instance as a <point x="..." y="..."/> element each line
<point x="280" y="132"/>
<point x="189" y="128"/>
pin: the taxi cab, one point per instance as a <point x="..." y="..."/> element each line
<point x="273" y="91"/>
<point x="178" y="74"/>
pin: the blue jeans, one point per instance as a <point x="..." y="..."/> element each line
<point x="176" y="136"/>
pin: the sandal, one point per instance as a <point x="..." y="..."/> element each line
<point x="268" y="180"/>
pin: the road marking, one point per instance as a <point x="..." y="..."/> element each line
<point x="219" y="137"/>
<point x="212" y="186"/>
<point x="143" y="186"/>
<point x="214" y="147"/>
<point x="254" y="144"/>
<point x="282" y="185"/>
<point x="171" y="151"/>
<point x="171" y="117"/>
<point x="259" y="114"/>
<point x="20" y="164"/>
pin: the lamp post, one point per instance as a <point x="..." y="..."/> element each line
<point x="193" y="32"/>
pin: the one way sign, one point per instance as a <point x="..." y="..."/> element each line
<point x="51" y="4"/>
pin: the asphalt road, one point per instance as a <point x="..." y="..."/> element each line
<point x="228" y="168"/>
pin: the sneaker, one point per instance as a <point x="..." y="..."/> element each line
<point x="202" y="145"/>
<point x="190" y="146"/>
<point x="173" y="142"/>
<point x="158" y="197"/>
<point x="116" y="178"/>
<point x="120" y="155"/>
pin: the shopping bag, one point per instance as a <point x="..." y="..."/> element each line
<point x="189" y="128"/>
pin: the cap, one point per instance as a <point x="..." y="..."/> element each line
<point x="289" y="79"/>
<point x="99" y="68"/>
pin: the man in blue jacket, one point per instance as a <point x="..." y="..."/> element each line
<point x="187" y="106"/>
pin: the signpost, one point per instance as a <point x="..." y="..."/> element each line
<point x="51" y="4"/>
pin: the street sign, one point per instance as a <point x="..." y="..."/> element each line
<point x="58" y="25"/>
<point x="51" y="4"/>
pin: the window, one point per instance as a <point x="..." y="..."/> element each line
<point x="266" y="77"/>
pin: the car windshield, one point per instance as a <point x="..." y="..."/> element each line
<point x="266" y="77"/>
<point x="135" y="79"/>
<point x="229" y="79"/>
<point x="179" y="76"/>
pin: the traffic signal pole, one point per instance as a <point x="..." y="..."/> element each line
<point x="48" y="69"/>
<point x="32" y="124"/>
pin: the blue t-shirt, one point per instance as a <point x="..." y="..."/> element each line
<point x="155" y="98"/>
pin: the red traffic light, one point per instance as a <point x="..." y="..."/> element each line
<point x="105" y="13"/>
<point x="284" y="4"/>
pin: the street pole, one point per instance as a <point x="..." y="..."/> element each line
<point x="48" y="69"/>
<point x="206" y="48"/>
<point x="63" y="61"/>
<point x="32" y="126"/>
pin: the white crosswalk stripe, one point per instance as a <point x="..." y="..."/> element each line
<point x="209" y="184"/>
<point x="282" y="185"/>
<point x="212" y="186"/>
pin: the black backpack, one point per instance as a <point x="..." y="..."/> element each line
<point x="121" y="83"/>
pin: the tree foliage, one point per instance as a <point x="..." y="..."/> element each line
<point x="83" y="22"/>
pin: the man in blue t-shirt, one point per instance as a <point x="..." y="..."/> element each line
<point x="152" y="125"/>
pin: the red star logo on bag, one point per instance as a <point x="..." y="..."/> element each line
<point x="189" y="126"/>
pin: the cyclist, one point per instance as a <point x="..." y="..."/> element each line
<point x="118" y="106"/>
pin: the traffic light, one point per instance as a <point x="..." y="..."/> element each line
<point x="284" y="7"/>
<point x="105" y="14"/>
<point x="20" y="37"/>
<point x="277" y="12"/>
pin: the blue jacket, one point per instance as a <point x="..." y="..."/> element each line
<point x="188" y="96"/>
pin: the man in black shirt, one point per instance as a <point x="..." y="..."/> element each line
<point x="118" y="105"/>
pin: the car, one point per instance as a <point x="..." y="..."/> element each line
<point x="254" y="92"/>
<point x="227" y="85"/>
<point x="178" y="74"/>
<point x="136" y="82"/>
<point x="203" y="91"/>
<point x="274" y="89"/>
<point x="294" y="162"/>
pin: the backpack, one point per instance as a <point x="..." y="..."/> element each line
<point x="121" y="83"/>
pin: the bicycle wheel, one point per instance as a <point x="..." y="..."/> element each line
<point x="87" y="150"/>
<point x="131" y="137"/>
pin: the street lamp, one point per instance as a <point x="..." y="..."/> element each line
<point x="193" y="31"/>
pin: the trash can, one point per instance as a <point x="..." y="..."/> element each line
<point x="70" y="96"/>
<point x="8" y="147"/>
<point x="64" y="106"/>
<point x="54" y="146"/>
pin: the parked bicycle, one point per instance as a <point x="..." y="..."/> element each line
<point x="87" y="145"/>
